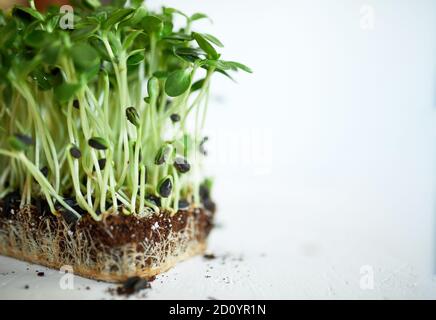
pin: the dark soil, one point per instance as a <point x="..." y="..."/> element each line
<point x="209" y="256"/>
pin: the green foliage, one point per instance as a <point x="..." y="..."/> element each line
<point x="79" y="97"/>
<point x="178" y="82"/>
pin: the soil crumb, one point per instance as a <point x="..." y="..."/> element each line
<point x="209" y="256"/>
<point x="130" y="286"/>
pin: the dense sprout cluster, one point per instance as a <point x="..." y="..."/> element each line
<point x="99" y="113"/>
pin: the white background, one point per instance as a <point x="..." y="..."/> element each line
<point x="324" y="158"/>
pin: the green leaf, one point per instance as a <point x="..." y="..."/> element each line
<point x="206" y="46"/>
<point x="130" y="39"/>
<point x="8" y="34"/>
<point x="237" y="65"/>
<point x="188" y="54"/>
<point x="199" y="16"/>
<point x="167" y="28"/>
<point x="135" y="59"/>
<point x="26" y="14"/>
<point x="228" y="65"/>
<point x="176" y="36"/>
<point x="38" y="38"/>
<point x="225" y="74"/>
<point x="117" y="16"/>
<point x="42" y="79"/>
<point x="90" y="73"/>
<point x="99" y="46"/>
<point x="212" y="39"/>
<point x="136" y="3"/>
<point x="160" y="74"/>
<point x="197" y="85"/>
<point x="136" y="18"/>
<point x="2" y="19"/>
<point x="50" y="52"/>
<point x="91" y="4"/>
<point x="178" y="82"/>
<point x="170" y="11"/>
<point x="152" y="24"/>
<point x="84" y="56"/>
<point x="83" y="31"/>
<point x="66" y="91"/>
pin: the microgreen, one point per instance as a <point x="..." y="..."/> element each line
<point x="84" y="112"/>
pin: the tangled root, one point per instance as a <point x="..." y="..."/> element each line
<point x="51" y="242"/>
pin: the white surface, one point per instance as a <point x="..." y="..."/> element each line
<point x="342" y="174"/>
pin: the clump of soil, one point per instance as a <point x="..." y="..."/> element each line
<point x="209" y="256"/>
<point x="131" y="286"/>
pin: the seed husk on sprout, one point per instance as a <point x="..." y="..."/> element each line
<point x="20" y="142"/>
<point x="102" y="163"/>
<point x="133" y="116"/>
<point x="44" y="171"/>
<point x="75" y="152"/>
<point x="162" y="155"/>
<point x="165" y="187"/>
<point x="175" y="117"/>
<point x="182" y="165"/>
<point x="98" y="143"/>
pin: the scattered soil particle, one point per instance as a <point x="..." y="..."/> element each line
<point x="209" y="256"/>
<point x="26" y="286"/>
<point x="88" y="288"/>
<point x="40" y="274"/>
<point x="133" y="285"/>
<point x="212" y="298"/>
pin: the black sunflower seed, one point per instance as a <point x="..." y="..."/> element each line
<point x="75" y="152"/>
<point x="27" y="140"/>
<point x="162" y="155"/>
<point x="209" y="205"/>
<point x="44" y="171"/>
<point x="182" y="165"/>
<point x="20" y="142"/>
<point x="69" y="216"/>
<point x="203" y="151"/>
<point x="204" y="192"/>
<point x="102" y="163"/>
<point x="165" y="187"/>
<point x="183" y="204"/>
<point x="133" y="116"/>
<point x="153" y="199"/>
<point x="98" y="143"/>
<point x="175" y="117"/>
